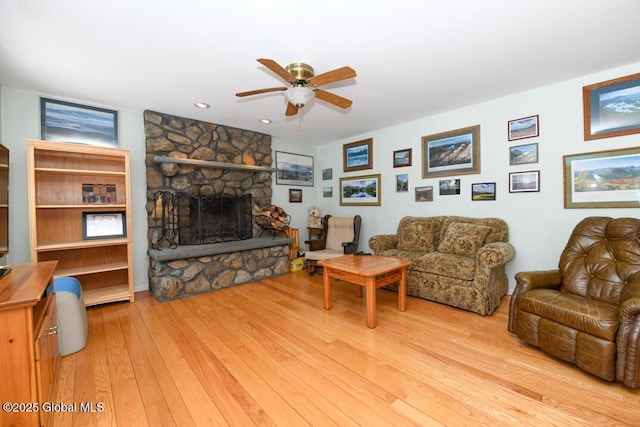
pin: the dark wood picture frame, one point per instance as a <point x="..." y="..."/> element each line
<point x="295" y="195"/>
<point x="612" y="108"/>
<point x="523" y="154"/>
<point x="402" y="158"/>
<point x="524" y="182"/>
<point x="525" y="127"/>
<point x="357" y="155"/>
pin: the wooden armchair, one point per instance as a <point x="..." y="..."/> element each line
<point x="340" y="237"/>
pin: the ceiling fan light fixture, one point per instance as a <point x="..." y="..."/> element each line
<point x="299" y="95"/>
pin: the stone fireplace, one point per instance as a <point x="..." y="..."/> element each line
<point x="205" y="183"/>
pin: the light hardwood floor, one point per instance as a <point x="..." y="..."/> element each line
<point x="267" y="353"/>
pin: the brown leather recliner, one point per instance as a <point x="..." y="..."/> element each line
<point x="587" y="312"/>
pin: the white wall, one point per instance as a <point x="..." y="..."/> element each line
<point x="21" y="121"/>
<point x="538" y="223"/>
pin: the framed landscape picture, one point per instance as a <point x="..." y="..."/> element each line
<point x="455" y="152"/>
<point x="612" y="108"/>
<point x="424" y="194"/>
<point x="524" y="182"/>
<point x="602" y="179"/>
<point x="483" y="191"/>
<point x="294" y="169"/>
<point x="402" y="158"/>
<point x="360" y="191"/>
<point x="526" y="127"/>
<point x="523" y="154"/>
<point x="358" y="155"/>
<point x="68" y="122"/>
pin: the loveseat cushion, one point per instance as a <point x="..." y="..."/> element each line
<point x="582" y="314"/>
<point x="417" y="234"/>
<point x="463" y="238"/>
<point x="397" y="253"/>
<point x="449" y="265"/>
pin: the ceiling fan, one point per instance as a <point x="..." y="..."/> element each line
<point x="304" y="84"/>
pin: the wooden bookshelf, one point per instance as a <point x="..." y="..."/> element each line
<point x="62" y="180"/>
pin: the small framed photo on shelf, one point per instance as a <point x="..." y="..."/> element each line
<point x="99" y="194"/>
<point x="524" y="182"/>
<point x="103" y="225"/>
<point x="526" y="127"/>
<point x="424" y="194"/>
<point x="402" y="158"/>
<point x="483" y="191"/>
<point x="295" y="195"/>
<point x="523" y="154"/>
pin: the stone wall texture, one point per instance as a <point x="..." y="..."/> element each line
<point x="182" y="138"/>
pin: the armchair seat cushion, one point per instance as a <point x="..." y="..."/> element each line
<point x="448" y="265"/>
<point x="323" y="254"/>
<point x="582" y="314"/>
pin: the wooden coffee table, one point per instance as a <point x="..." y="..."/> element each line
<point x="369" y="272"/>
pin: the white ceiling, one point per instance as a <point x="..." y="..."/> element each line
<point x="413" y="58"/>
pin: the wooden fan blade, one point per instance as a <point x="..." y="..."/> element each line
<point x="256" y="92"/>
<point x="278" y="69"/>
<point x="292" y="110"/>
<point x="333" y="98"/>
<point x="333" y="76"/>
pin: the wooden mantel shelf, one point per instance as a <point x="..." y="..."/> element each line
<point x="211" y="164"/>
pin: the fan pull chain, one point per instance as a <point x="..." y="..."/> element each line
<point x="300" y="122"/>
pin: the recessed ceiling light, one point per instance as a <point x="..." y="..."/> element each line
<point x="201" y="105"/>
<point x="265" y="121"/>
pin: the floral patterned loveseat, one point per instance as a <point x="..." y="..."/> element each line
<point x="458" y="261"/>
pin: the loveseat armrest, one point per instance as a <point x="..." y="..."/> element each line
<point x="628" y="343"/>
<point x="383" y="242"/>
<point x="494" y="254"/>
<point x="526" y="280"/>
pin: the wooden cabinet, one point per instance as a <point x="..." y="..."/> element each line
<point x="80" y="215"/>
<point x="29" y="344"/>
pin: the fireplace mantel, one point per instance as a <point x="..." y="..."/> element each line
<point x="212" y="164"/>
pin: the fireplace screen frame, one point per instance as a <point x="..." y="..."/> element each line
<point x="232" y="215"/>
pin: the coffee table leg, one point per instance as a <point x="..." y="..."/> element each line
<point x="327" y="287"/>
<point x="370" y="285"/>
<point x="402" y="290"/>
